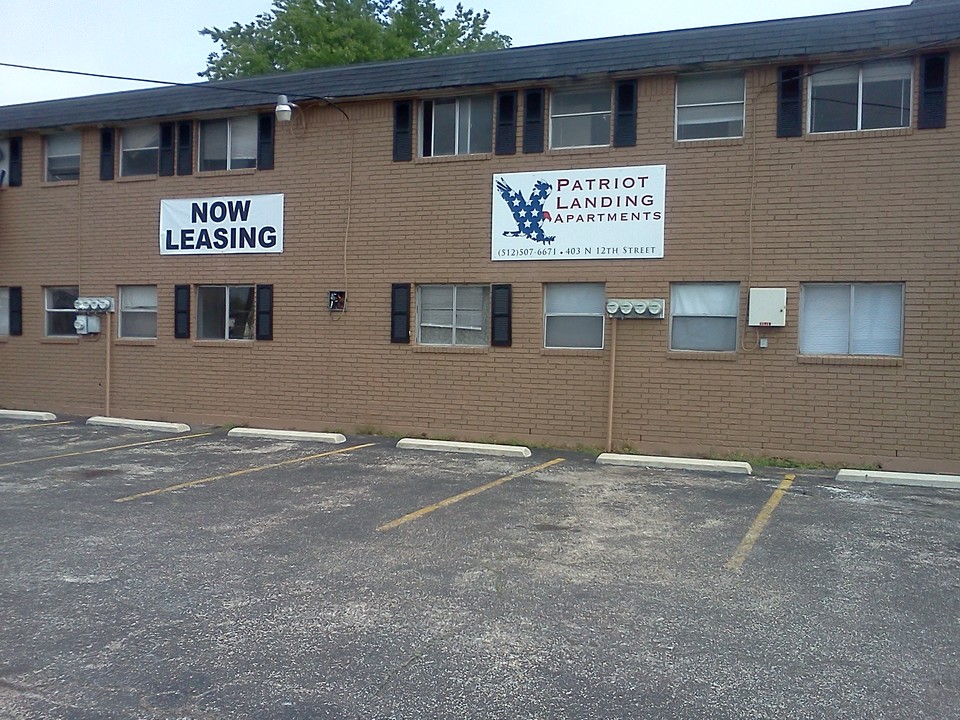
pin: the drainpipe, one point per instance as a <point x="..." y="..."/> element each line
<point x="613" y="377"/>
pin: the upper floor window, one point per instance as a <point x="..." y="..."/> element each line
<point x="851" y="318"/>
<point x="457" y="126"/>
<point x="140" y="150"/>
<point x="870" y="96"/>
<point x="59" y="310"/>
<point x="710" y="106"/>
<point x="228" y="144"/>
<point x="62" y="156"/>
<point x="573" y="315"/>
<point x="138" y="311"/>
<point x="453" y="315"/>
<point x="580" y="117"/>
<point x="703" y="316"/>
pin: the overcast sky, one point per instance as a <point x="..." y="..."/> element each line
<point x="159" y="39"/>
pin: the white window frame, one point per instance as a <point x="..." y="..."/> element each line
<point x="73" y="172"/>
<point x="805" y="333"/>
<point x="730" y="313"/>
<point x="231" y="143"/>
<point x="819" y="71"/>
<point x="463" y="112"/>
<point x="554" y="116"/>
<point x="741" y="102"/>
<point x="50" y="312"/>
<point x="596" y="312"/>
<point x="4" y="311"/>
<point x="455" y="323"/>
<point x="125" y="149"/>
<point x="229" y="322"/>
<point x="127" y="310"/>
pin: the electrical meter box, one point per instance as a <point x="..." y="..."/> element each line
<point x="768" y="307"/>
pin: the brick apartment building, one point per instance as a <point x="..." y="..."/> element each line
<point x="556" y="244"/>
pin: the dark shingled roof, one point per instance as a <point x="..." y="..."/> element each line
<point x="925" y="23"/>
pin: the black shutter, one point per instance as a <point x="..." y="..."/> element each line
<point x="106" y="153"/>
<point x="426" y="131"/>
<point x="166" y="149"/>
<point x="402" y="130"/>
<point x="533" y="121"/>
<point x="790" y="101"/>
<point x="506" y="123"/>
<point x="265" y="141"/>
<point x="500" y="316"/>
<point x="16" y="311"/>
<point x="185" y="147"/>
<point x="16" y="162"/>
<point x="932" y="112"/>
<point x="181" y="311"/>
<point x="625" y="118"/>
<point x="400" y="313"/>
<point x="264" y="312"/>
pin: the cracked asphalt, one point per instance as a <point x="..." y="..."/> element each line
<point x="191" y="577"/>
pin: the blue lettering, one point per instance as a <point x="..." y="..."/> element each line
<point x="203" y="240"/>
<point x="267" y="236"/>
<point x="239" y="210"/>
<point x="169" y="241"/>
<point x="220" y="238"/>
<point x="186" y="239"/>
<point x="198" y="212"/>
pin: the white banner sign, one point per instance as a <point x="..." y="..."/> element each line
<point x="216" y="225"/>
<point x="599" y="214"/>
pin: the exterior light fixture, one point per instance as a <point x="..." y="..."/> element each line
<point x="284" y="109"/>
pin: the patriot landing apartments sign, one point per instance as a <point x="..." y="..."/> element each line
<point x="220" y="225"/>
<point x="599" y="214"/>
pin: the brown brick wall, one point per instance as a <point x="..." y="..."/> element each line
<point x="851" y="207"/>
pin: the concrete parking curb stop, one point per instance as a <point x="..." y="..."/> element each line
<point x="139" y="424"/>
<point x="27" y="415"/>
<point x="671" y="463"/>
<point x="951" y="482"/>
<point x="335" y="438"/>
<point x="518" y="451"/>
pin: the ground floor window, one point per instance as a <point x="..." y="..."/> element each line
<point x="573" y="315"/>
<point x="703" y="316"/>
<point x="453" y="315"/>
<point x="138" y="311"/>
<point x="851" y="319"/>
<point x="4" y="311"/>
<point x="59" y="310"/>
<point x="225" y="312"/>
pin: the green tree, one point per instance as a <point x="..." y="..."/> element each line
<point x="304" y="34"/>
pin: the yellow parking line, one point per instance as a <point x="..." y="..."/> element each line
<point x="753" y="534"/>
<point x="235" y="473"/>
<point x="463" y="496"/>
<point x="106" y="449"/>
<point x="8" y="428"/>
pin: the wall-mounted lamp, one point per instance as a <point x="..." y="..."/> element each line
<point x="284" y="109"/>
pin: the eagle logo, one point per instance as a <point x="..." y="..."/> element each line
<point x="528" y="214"/>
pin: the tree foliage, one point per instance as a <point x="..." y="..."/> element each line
<point x="304" y="34"/>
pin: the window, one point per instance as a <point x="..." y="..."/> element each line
<point x="60" y="311"/>
<point x="140" y="150"/>
<point x="864" y="97"/>
<point x="228" y="144"/>
<point x="63" y="156"/>
<point x="457" y="126"/>
<point x="4" y="311"/>
<point x="580" y="118"/>
<point x="573" y="315"/>
<point x="225" y="312"/>
<point x="703" y="316"/>
<point x="710" y="106"/>
<point x="453" y="315"/>
<point x="138" y="311"/>
<point x="851" y="319"/>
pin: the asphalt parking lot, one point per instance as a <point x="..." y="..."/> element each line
<point x="197" y="576"/>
